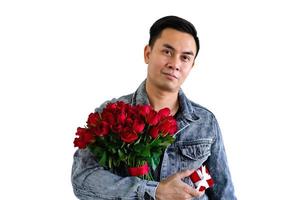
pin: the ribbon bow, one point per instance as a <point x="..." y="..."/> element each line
<point x="202" y="178"/>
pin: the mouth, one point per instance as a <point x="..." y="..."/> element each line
<point x="170" y="76"/>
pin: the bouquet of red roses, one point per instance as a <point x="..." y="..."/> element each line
<point x="134" y="136"/>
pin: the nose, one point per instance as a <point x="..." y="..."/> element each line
<point x="174" y="63"/>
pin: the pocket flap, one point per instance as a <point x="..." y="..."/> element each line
<point x="195" y="150"/>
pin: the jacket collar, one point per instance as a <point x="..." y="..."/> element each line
<point x="186" y="108"/>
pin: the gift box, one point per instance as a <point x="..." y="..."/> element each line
<point x="201" y="178"/>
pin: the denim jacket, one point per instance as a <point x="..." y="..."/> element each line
<point x="198" y="141"/>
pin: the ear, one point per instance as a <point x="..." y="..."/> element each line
<point x="147" y="51"/>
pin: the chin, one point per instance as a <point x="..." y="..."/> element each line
<point x="169" y="88"/>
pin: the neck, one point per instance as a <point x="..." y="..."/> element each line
<point x="161" y="99"/>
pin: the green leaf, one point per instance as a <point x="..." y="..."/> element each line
<point x="154" y="160"/>
<point x="155" y="143"/>
<point x="146" y="152"/>
<point x="112" y="149"/>
<point x="110" y="163"/>
<point x="137" y="142"/>
<point x="122" y="155"/>
<point x="139" y="147"/>
<point x="116" y="162"/>
<point x="142" y="149"/>
<point x="96" y="150"/>
<point x="166" y="141"/>
<point x="103" y="158"/>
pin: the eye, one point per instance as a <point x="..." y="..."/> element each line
<point x="167" y="52"/>
<point x="186" y="58"/>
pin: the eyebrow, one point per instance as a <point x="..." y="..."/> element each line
<point x="172" y="48"/>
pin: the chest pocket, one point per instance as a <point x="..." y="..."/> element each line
<point x="194" y="153"/>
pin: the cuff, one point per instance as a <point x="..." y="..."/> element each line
<point x="149" y="188"/>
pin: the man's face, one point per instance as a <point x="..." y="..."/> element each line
<point x="170" y="60"/>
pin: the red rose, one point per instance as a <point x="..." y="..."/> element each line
<point x="154" y="132"/>
<point x="108" y="117"/>
<point x="93" y="119"/>
<point x="165" y="112"/>
<point x="117" y="128"/>
<point x="81" y="131"/>
<point x="88" y="137"/>
<point x="85" y="138"/>
<point x="168" y="126"/>
<point x="102" y="129"/>
<point x="173" y="125"/>
<point x="144" y="110"/>
<point x="128" y="137"/>
<point x="138" y="126"/>
<point x="152" y="118"/>
<point x="79" y="143"/>
<point x="121" y="105"/>
<point x="129" y="122"/>
<point x="164" y="128"/>
<point x="111" y="106"/>
<point x="121" y="118"/>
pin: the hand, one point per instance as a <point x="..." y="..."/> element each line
<point x="175" y="189"/>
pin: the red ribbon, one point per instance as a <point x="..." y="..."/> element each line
<point x="199" y="174"/>
<point x="195" y="177"/>
<point x="138" y="171"/>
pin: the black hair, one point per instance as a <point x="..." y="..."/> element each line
<point x="173" y="22"/>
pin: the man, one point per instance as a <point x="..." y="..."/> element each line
<point x="170" y="56"/>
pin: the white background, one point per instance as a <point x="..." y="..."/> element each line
<point x="61" y="59"/>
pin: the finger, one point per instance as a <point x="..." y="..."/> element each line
<point x="193" y="192"/>
<point x="200" y="193"/>
<point x="185" y="173"/>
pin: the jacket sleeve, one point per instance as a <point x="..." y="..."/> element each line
<point x="218" y="166"/>
<point x="92" y="182"/>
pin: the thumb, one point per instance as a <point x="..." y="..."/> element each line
<point x="185" y="173"/>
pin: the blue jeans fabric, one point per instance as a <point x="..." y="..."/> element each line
<point x="198" y="141"/>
